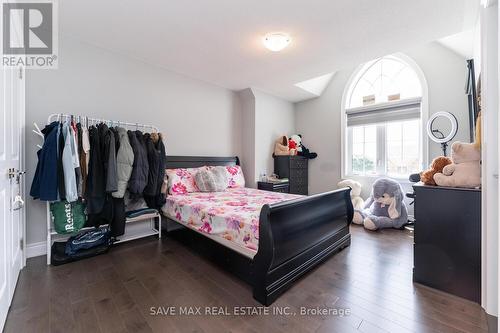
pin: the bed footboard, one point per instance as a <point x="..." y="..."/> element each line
<point x="295" y="236"/>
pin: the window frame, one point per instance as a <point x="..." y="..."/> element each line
<point x="381" y="153"/>
<point x="381" y="144"/>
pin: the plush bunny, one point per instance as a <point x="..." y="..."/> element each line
<point x="465" y="171"/>
<point x="357" y="201"/>
<point x="385" y="208"/>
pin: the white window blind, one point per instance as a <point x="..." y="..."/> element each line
<point x="384" y="112"/>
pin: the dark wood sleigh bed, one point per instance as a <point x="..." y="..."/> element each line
<point x="294" y="236"/>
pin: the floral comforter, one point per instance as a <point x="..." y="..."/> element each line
<point x="232" y="214"/>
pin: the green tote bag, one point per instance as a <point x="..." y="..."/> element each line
<point x="69" y="217"/>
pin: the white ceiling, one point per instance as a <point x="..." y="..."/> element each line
<point x="219" y="41"/>
<point x="316" y="85"/>
<point x="461" y="43"/>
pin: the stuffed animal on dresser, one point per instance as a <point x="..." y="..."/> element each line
<point x="479" y="119"/>
<point x="296" y="142"/>
<point x="385" y="208"/>
<point x="282" y="147"/>
<point x="465" y="171"/>
<point x="437" y="165"/>
<point x="357" y="201"/>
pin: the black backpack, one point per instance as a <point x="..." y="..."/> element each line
<point x="86" y="244"/>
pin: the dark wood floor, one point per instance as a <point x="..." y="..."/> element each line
<point x="114" y="293"/>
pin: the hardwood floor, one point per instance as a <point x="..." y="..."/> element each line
<point x="115" y="292"/>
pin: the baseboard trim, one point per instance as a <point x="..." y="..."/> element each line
<point x="492" y="322"/>
<point x="36" y="249"/>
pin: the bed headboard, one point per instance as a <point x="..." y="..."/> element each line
<point x="174" y="162"/>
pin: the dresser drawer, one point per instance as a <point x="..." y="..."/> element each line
<point x="282" y="189"/>
<point x="298" y="163"/>
<point x="298" y="189"/>
<point x="295" y="168"/>
<point x="274" y="187"/>
<point x="298" y="175"/>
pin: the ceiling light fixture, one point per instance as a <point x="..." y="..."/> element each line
<point x="276" y="41"/>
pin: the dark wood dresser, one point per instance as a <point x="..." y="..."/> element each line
<point x="295" y="169"/>
<point x="447" y="249"/>
<point x="274" y="187"/>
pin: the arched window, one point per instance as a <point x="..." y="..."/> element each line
<point x="383" y="112"/>
<point x="382" y="78"/>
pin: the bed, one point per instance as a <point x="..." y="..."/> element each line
<point x="267" y="239"/>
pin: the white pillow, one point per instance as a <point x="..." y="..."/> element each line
<point x="211" y="180"/>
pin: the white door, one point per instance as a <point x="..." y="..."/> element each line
<point x="11" y="184"/>
<point x="490" y="158"/>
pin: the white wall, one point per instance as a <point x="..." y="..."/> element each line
<point x="247" y="105"/>
<point x="197" y="118"/>
<point x="273" y="117"/>
<point x="445" y="72"/>
<point x="319" y="119"/>
<point x="264" y="119"/>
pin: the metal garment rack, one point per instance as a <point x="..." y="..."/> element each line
<point x="152" y="218"/>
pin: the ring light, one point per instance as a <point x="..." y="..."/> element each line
<point x="445" y="138"/>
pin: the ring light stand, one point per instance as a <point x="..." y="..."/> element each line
<point x="442" y="139"/>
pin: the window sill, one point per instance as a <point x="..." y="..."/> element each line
<point x="401" y="180"/>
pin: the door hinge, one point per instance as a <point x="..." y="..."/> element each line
<point x="20" y="73"/>
<point x="21" y="243"/>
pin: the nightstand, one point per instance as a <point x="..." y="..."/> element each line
<point x="274" y="187"/>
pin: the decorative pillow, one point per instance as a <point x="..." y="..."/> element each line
<point x="181" y="181"/>
<point x="211" y="180"/>
<point x="235" y="176"/>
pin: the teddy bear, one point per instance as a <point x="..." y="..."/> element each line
<point x="282" y="147"/>
<point x="357" y="201"/>
<point x="465" y="171"/>
<point x="437" y="165"/>
<point x="477" y="140"/>
<point x="295" y="141"/>
<point x="385" y="208"/>
<point x="479" y="119"/>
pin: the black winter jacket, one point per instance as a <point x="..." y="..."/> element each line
<point x="154" y="162"/>
<point x="108" y="152"/>
<point x="157" y="161"/>
<point x="96" y="185"/>
<point x="140" y="170"/>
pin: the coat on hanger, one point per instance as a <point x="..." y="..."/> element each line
<point x="140" y="170"/>
<point x="44" y="185"/>
<point x="124" y="162"/>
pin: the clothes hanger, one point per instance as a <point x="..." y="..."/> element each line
<point x="38" y="131"/>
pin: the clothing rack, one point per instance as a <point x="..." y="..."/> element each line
<point x="94" y="121"/>
<point x="153" y="230"/>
